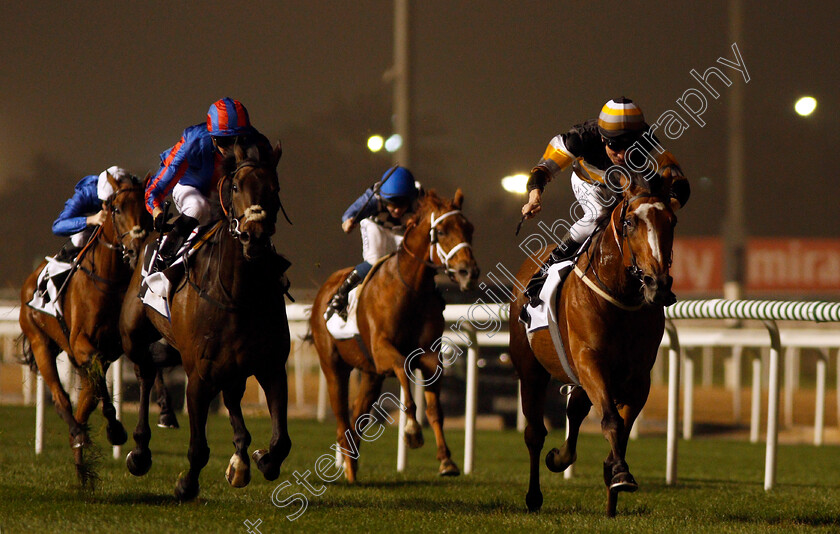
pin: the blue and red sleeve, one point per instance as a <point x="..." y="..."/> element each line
<point x="173" y="165"/>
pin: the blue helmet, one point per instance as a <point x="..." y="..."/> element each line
<point x="399" y="184"/>
<point x="227" y="117"/>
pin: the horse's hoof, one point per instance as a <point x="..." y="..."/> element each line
<point x="623" y="482"/>
<point x="168" y="420"/>
<point x="414" y="440"/>
<point x="448" y="468"/>
<point x="534" y="501"/>
<point x="139" y="463"/>
<point x="184" y="489"/>
<point x="117" y="434"/>
<point x="269" y="470"/>
<point x="555" y="462"/>
<point x="238" y="473"/>
<point x="79" y="440"/>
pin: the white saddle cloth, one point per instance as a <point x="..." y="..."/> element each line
<point x="338" y="327"/>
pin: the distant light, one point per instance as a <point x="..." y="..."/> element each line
<point x="375" y="143"/>
<point x="393" y="143"/>
<point x="805" y="105"/>
<point x="515" y="183"/>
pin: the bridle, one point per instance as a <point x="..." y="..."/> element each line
<point x="436" y="248"/>
<point x="252" y="212"/>
<point x="118" y="245"/>
<point x="634" y="272"/>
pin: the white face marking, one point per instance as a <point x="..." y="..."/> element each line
<point x="642" y="212"/>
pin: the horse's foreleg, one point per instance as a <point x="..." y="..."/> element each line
<point x="577" y="408"/>
<point x="238" y="472"/>
<point x="139" y="460"/>
<point x="617" y="475"/>
<point x="199" y="395"/>
<point x="413" y="430"/>
<point x="434" y="414"/>
<point x="276" y="390"/>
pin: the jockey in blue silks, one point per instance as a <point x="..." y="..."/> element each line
<point x="84" y="210"/>
<point x="193" y="166"/>
<point x="381" y="213"/>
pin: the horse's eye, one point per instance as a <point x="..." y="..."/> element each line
<point x="441" y="232"/>
<point x="116" y="211"/>
<point x="235" y="188"/>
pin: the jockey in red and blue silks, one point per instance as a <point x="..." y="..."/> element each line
<point x="84" y="210"/>
<point x="189" y="170"/>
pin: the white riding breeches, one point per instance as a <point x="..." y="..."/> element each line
<point x="80" y="239"/>
<point x="593" y="207"/>
<point x="377" y="241"/>
<point x="190" y="202"/>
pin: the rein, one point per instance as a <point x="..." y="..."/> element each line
<point x="598" y="286"/>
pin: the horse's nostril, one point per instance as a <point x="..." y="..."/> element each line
<point x="245" y="237"/>
<point x="648" y="280"/>
<point x="463" y="272"/>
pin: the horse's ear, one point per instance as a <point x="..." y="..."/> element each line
<point x="276" y="154"/>
<point x="458" y="201"/>
<point x="239" y="152"/>
<point x="421" y="192"/>
<point x="112" y="181"/>
<point x="147" y="179"/>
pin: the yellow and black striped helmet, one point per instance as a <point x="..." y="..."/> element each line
<point x="621" y="117"/>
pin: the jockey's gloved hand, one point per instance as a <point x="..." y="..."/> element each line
<point x="159" y="222"/>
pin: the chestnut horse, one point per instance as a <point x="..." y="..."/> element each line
<point x="611" y="318"/>
<point x="88" y="331"/>
<point x="228" y="321"/>
<point x="398" y="312"/>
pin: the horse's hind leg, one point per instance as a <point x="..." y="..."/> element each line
<point x="337" y="373"/>
<point x="276" y="388"/>
<point x="434" y="414"/>
<point x="199" y="395"/>
<point x="238" y="472"/>
<point x="370" y="387"/>
<point x="558" y="460"/>
<point x="534" y="380"/>
<point x="167" y="418"/>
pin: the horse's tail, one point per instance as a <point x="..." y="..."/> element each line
<point x="27" y="356"/>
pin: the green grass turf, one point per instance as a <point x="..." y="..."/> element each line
<point x="720" y="486"/>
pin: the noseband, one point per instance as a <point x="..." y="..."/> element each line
<point x="118" y="245"/>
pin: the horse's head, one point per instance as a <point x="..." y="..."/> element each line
<point x="450" y="236"/>
<point x="127" y="221"/>
<point x="646" y="225"/>
<point x="252" y="200"/>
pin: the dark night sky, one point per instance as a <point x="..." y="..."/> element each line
<point x="91" y="84"/>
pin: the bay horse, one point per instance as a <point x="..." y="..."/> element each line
<point x="88" y="328"/>
<point x="399" y="311"/>
<point x="228" y="321"/>
<point x="610" y="314"/>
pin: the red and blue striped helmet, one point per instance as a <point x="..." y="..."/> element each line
<point x="227" y="117"/>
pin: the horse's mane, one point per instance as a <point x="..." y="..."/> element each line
<point x="428" y="198"/>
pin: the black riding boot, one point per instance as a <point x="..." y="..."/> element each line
<point x="338" y="304"/>
<point x="565" y="250"/>
<point x="175" y="239"/>
<point x="68" y="252"/>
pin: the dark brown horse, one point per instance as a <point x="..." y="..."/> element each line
<point x="399" y="311"/>
<point x="228" y="321"/>
<point x="90" y="305"/>
<point x="611" y="319"/>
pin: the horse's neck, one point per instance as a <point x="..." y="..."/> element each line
<point x="412" y="265"/>
<point x="608" y="262"/>
<point x="104" y="260"/>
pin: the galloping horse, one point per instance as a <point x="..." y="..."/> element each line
<point x="88" y="330"/>
<point x="611" y="319"/>
<point x="228" y="321"/>
<point x="398" y="312"/>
